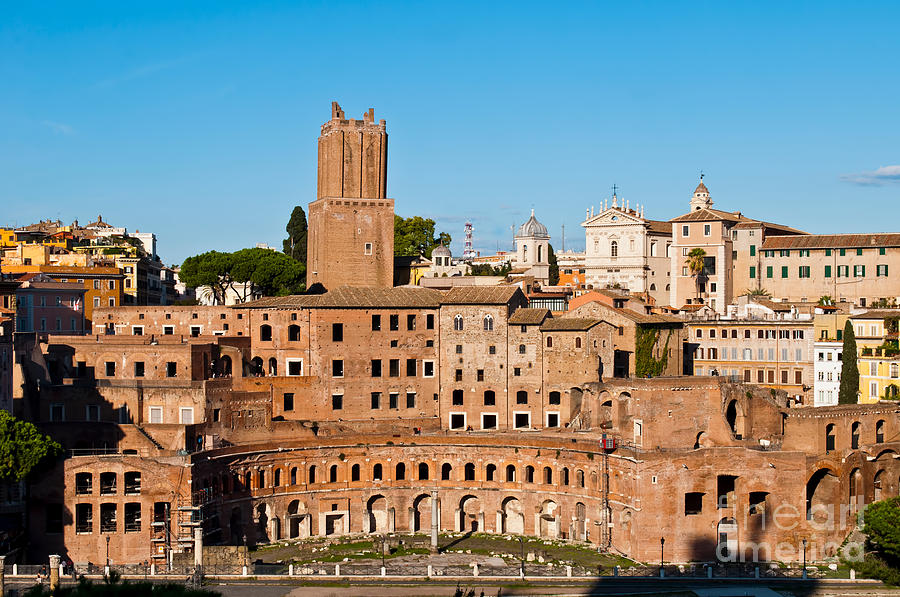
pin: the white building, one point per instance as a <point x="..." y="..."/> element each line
<point x="826" y="372"/>
<point x="625" y="250"/>
<point x="533" y="251"/>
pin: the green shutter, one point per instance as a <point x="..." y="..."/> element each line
<point x="752" y="272"/>
<point x="843" y="252"/>
<point x="827" y="271"/>
<point x="881" y="250"/>
<point x="862" y="270"/>
<point x="752" y="250"/>
<point x="859" y="251"/>
<point x="885" y="270"/>
<point x="827" y="252"/>
<point x="784" y="271"/>
<point x="769" y="271"/>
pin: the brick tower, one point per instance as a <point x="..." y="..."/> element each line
<point x="351" y="223"/>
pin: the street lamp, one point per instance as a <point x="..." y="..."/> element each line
<point x="107" y="552"/>
<point x="383" y="544"/>
<point x="522" y="559"/>
<point x="662" y="559"/>
<point x="804" y="558"/>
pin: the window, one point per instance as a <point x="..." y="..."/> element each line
<point x="879" y="432"/>
<point x="549" y="341"/>
<point x="411" y="322"/>
<point x="393" y="400"/>
<point x="337" y="332"/>
<point x="489" y="398"/>
<point x="376" y="323"/>
<point x="859" y="271"/>
<point x="752" y="272"/>
<point x="337" y="368"/>
<point x="337" y="401"/>
<point x="784" y="271"/>
<point x="854" y="436"/>
<point x="522" y="420"/>
<point x="84" y="483"/>
<point x="881" y="270"/>
<point x="458" y="323"/>
<point x="410" y="367"/>
<point x="446" y="471"/>
<point x="139" y="369"/>
<point x="827" y="271"/>
<point x="187" y="416"/>
<point x="492" y="349"/>
<point x="469" y="472"/>
<point x="400" y="472"/>
<point x="112" y="301"/>
<point x="394" y="322"/>
<point x="171" y="369"/>
<point x="457" y="397"/>
<point x="410" y="400"/>
<point x="110" y="368"/>
<point x="427" y="368"/>
<point x="843" y="271"/>
<point x="333" y="474"/>
<point x="394" y="367"/>
<point x="377" y="472"/>
<point x="311" y="475"/>
<point x="376" y="367"/>
<point x="288" y="401"/>
<point x="613" y="249"/>
<point x="707" y="230"/>
<point x="804" y="271"/>
<point x="522" y="397"/>
<point x="376" y="400"/>
<point x="429" y="321"/>
<point x="423" y="471"/>
<point x="693" y="503"/>
<point x="294" y="367"/>
<point x="457" y="420"/>
<point x="685" y="230"/>
<point x="517" y="372"/>
<point x="92" y="412"/>
<point x="488" y="323"/>
<point x="521" y="349"/>
<point x="84" y="518"/>
<point x="107" y="483"/>
<point x="156" y="414"/>
<point x="552" y="419"/>
<point x="488" y="421"/>
<point x="458" y="375"/>
<point x="132" y="483"/>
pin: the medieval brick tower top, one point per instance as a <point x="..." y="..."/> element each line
<point x="351" y="223"/>
<point x="353" y="157"/>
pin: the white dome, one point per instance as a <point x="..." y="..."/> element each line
<point x="440" y="251"/>
<point x="533" y="228"/>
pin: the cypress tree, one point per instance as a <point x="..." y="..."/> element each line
<point x="849" y="368"/>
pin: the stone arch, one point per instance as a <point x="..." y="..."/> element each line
<point x="727" y="540"/>
<point x="469" y="471"/>
<point x="510" y="473"/>
<point x="299" y="520"/>
<point x="878" y="482"/>
<point x="400" y="472"/>
<point x="511" y="516"/>
<point x="256" y="366"/>
<point x="265" y="333"/>
<point x="855" y="491"/>
<point x="293" y="333"/>
<point x="377" y="514"/>
<point x="734" y="414"/>
<point x="273" y="366"/>
<point x="354" y="472"/>
<point x="702" y="440"/>
<point x="490" y="472"/>
<point x="822" y="495"/>
<point x="471" y="516"/>
<point x="886" y="452"/>
<point x="333" y="473"/>
<point x="421" y="512"/>
<point x="423" y="471"/>
<point x="263" y="515"/>
<point x="579" y="478"/>
<point x="548" y="520"/>
<point x="446" y="471"/>
<point x="225" y="365"/>
<point x="576" y="398"/>
<point x="529" y="474"/>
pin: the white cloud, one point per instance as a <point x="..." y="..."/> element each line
<point x="58" y="128"/>
<point x="881" y="176"/>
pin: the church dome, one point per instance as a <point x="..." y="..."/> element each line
<point x="701" y="188"/>
<point x="440" y="251"/>
<point x="533" y="228"/>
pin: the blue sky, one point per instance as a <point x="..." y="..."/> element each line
<point x="198" y="121"/>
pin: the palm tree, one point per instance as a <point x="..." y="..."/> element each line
<point x="757" y="293"/>
<point x="825" y="300"/>
<point x="695" y="265"/>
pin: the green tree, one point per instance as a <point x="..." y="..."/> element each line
<point x="415" y="236"/>
<point x="757" y="293"/>
<point x="695" y="264"/>
<point x="882" y="527"/>
<point x="825" y="300"/>
<point x="847" y="394"/>
<point x="245" y="273"/>
<point x="212" y="269"/>
<point x="554" y="266"/>
<point x="295" y="244"/>
<point x="22" y="448"/>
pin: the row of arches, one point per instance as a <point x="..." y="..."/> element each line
<point x="487" y="323"/>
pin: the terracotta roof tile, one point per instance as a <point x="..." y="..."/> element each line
<point x="569" y="324"/>
<point x="877" y="314"/>
<point x="831" y="241"/>
<point x="526" y="316"/>
<point x="350" y="297"/>
<point x="480" y="295"/>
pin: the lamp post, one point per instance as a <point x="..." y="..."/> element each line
<point x="383" y="545"/>
<point x="662" y="559"/>
<point x="804" y="558"/>
<point x="107" y="552"/>
<point x="522" y="559"/>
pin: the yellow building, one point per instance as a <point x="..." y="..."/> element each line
<point x="879" y="357"/>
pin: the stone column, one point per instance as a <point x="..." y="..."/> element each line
<point x="54" y="572"/>
<point x="392" y="520"/>
<point x="198" y="547"/>
<point x="435" y="519"/>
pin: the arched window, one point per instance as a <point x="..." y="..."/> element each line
<point x="854" y="436"/>
<point x="273" y="366"/>
<point x="510" y="473"/>
<point x="458" y="323"/>
<point x="549" y="341"/>
<point x="265" y="332"/>
<point x="294" y="333"/>
<point x="446" y="469"/>
<point x="579" y="478"/>
<point x="488" y="323"/>
<point x="400" y="473"/>
<point x="668" y="287"/>
<point x="522" y="397"/>
<point x="521" y="349"/>
<point x="529" y="474"/>
<point x="423" y="471"/>
<point x="469" y="472"/>
<point x="565" y="476"/>
<point x="354" y="472"/>
<point x="248" y="481"/>
<point x="489" y="472"/>
<point x="879" y="432"/>
<point x="294" y="476"/>
<point x="829" y="437"/>
<point x="540" y="254"/>
<point x="277" y="480"/>
<point x="332" y="474"/>
<point x="376" y="472"/>
<point x="613" y="249"/>
<point x="548" y="475"/>
<point x="262" y="479"/>
<point x="652" y="286"/>
<point x="577" y="342"/>
<point x="312" y="474"/>
<point x="489" y="398"/>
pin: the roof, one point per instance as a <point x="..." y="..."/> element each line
<point x="701" y="188"/>
<point x="480" y="295"/>
<point x="647" y="318"/>
<point x="528" y="316"/>
<point x="831" y="241"/>
<point x="707" y="214"/>
<point x="877" y="314"/>
<point x="760" y="224"/>
<point x="440" y="251"/>
<point x="533" y="228"/>
<point x="569" y="324"/>
<point x="777" y="307"/>
<point x="350" y="297"/>
<point x="659" y="226"/>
